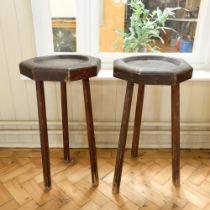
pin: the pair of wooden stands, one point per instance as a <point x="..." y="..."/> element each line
<point x="143" y="70"/>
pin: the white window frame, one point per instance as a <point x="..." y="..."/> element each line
<point x="87" y="31"/>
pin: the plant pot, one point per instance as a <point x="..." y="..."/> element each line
<point x="142" y="50"/>
<point x="186" y="46"/>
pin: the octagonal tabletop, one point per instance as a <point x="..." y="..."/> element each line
<point x="154" y="70"/>
<point x="60" y="67"/>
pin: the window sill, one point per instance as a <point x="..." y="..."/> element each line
<point x="198" y="75"/>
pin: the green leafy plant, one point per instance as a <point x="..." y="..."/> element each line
<point x="145" y="27"/>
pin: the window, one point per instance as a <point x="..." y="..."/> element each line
<point x="63" y="16"/>
<point x="117" y="14"/>
<point x="90" y="28"/>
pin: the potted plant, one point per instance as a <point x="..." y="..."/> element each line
<point x="145" y="27"/>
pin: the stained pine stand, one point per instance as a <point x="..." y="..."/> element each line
<point x="63" y="68"/>
<point x="150" y="70"/>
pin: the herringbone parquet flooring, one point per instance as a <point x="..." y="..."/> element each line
<point x="146" y="182"/>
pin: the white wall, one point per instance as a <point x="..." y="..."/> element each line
<point x="63" y="8"/>
<point x="18" y="111"/>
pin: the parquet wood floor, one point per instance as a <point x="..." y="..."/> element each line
<point x="146" y="182"/>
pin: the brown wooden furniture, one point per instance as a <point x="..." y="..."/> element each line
<point x="150" y="70"/>
<point x="62" y="68"/>
<point x="63" y="23"/>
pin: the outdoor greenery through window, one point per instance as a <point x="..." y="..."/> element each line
<point x="63" y="16"/>
<point x="148" y="25"/>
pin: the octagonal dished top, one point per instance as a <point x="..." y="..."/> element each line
<point x="153" y="70"/>
<point x="60" y="67"/>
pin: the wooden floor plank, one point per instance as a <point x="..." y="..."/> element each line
<point x="31" y="205"/>
<point x="11" y="205"/>
<point x="36" y="192"/>
<point x="16" y="172"/>
<point x="200" y="174"/>
<point x="90" y="206"/>
<point x="92" y="192"/>
<point x="79" y="198"/>
<point x="207" y="207"/>
<point x="70" y="205"/>
<point x="51" y="205"/>
<point x="17" y="192"/>
<point x="4" y="195"/>
<point x="191" y="206"/>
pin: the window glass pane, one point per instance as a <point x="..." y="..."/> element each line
<point x="123" y="30"/>
<point x="63" y="13"/>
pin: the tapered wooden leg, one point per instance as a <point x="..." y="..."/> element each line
<point x="43" y="133"/>
<point x="90" y="130"/>
<point x="65" y="122"/>
<point x="122" y="138"/>
<point x="175" y="115"/>
<point x="137" y="122"/>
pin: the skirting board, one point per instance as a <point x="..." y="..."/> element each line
<point x="153" y="134"/>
